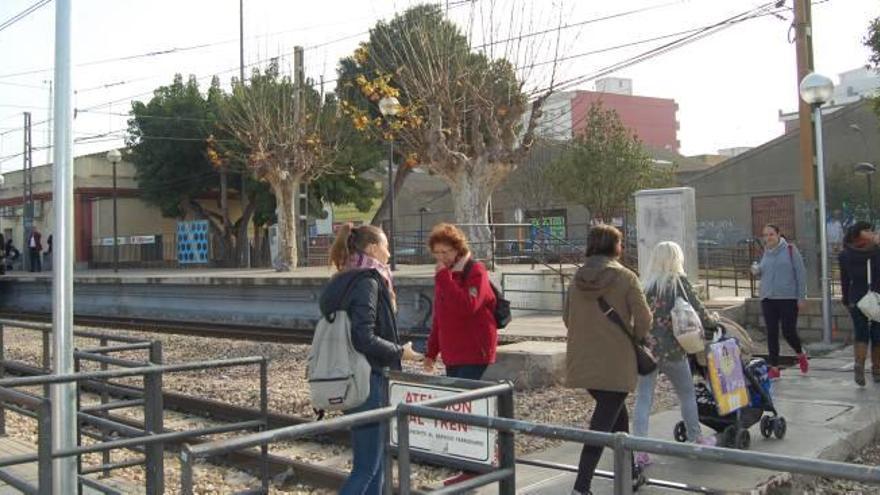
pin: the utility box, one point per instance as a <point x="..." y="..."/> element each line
<point x="667" y="215"/>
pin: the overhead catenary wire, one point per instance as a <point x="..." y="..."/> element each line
<point x="24" y="13"/>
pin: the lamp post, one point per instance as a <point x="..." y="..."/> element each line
<point x="389" y="107"/>
<point x="867" y="169"/>
<point x="422" y="211"/>
<point x="816" y="90"/>
<point x="114" y="157"/>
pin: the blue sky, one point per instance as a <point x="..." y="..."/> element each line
<point x="729" y="87"/>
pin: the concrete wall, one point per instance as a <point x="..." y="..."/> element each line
<point x="809" y="320"/>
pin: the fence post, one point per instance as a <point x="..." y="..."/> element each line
<point x="506" y="444"/>
<point x="2" y="374"/>
<point x="153" y="425"/>
<point x="403" y="462"/>
<point x="77" y="368"/>
<point x="44" y="447"/>
<point x="105" y="398"/>
<point x="622" y="466"/>
<point x="186" y="471"/>
<point x="735" y="274"/>
<point x="47" y="360"/>
<point x="387" y="461"/>
<point x="264" y="413"/>
<point x="708" y="265"/>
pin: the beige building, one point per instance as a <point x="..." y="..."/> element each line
<point x="144" y="234"/>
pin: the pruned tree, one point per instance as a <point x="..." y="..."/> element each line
<point x="464" y="110"/>
<point x="604" y="166"/>
<point x="282" y="125"/>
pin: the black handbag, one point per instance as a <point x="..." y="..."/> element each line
<point x="646" y="363"/>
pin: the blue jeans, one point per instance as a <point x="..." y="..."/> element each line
<point x="864" y="330"/>
<point x="679" y="373"/>
<point x="368" y="445"/>
<point x="467" y="371"/>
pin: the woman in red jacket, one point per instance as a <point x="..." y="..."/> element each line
<point x="463" y="331"/>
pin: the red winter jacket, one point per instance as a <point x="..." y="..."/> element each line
<point x="463" y="330"/>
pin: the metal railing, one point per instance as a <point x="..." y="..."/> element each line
<point x="622" y="444"/>
<point x="505" y="472"/>
<point x="480" y="389"/>
<point x="149" y="440"/>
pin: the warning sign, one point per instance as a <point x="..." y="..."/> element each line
<point x="442" y="437"/>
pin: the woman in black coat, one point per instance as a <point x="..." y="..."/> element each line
<point x="860" y="248"/>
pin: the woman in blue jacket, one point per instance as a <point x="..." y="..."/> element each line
<point x="783" y="294"/>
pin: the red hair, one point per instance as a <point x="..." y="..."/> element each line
<point x="446" y="233"/>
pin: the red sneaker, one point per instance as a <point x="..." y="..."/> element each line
<point x="803" y="362"/>
<point x="464" y="476"/>
<point x="773" y="373"/>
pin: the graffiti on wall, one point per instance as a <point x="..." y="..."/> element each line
<point x="724" y="232"/>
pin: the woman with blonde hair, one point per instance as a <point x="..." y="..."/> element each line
<point x="664" y="281"/>
<point x="364" y="288"/>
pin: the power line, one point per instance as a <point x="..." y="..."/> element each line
<point x="24" y="13"/>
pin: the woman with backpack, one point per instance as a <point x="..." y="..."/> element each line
<point x="860" y="252"/>
<point x="463" y="331"/>
<point x="665" y="281"/>
<point x="606" y="315"/>
<point x="783" y="295"/>
<point x="364" y="288"/>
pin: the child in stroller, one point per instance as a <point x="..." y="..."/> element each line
<point x="733" y="428"/>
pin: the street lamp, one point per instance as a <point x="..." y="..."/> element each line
<point x="389" y="107"/>
<point x="867" y="169"/>
<point x="816" y="90"/>
<point x="114" y="157"/>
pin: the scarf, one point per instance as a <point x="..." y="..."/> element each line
<point x="364" y="261"/>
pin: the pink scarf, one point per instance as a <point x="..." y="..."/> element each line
<point x="361" y="261"/>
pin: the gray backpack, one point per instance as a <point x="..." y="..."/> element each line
<point x="339" y="376"/>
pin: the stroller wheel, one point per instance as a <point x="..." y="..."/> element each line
<point x="766" y="426"/>
<point x="743" y="440"/>
<point x="728" y="437"/>
<point x="779" y="427"/>
<point x="680" y="432"/>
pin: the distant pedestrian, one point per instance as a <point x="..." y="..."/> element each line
<point x="599" y="356"/>
<point x="364" y="288"/>
<point x="12" y="254"/>
<point x="783" y="295"/>
<point x="463" y="331"/>
<point x="860" y="247"/>
<point x="35" y="250"/>
<point x="664" y="281"/>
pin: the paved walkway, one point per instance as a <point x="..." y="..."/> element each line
<point x="10" y="446"/>
<point x="828" y="417"/>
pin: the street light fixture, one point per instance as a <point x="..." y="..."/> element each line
<point x="389" y="107"/>
<point x="816" y="90"/>
<point x="867" y="169"/>
<point x="114" y="157"/>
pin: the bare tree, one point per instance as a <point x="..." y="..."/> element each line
<point x="282" y="125"/>
<point x="469" y="107"/>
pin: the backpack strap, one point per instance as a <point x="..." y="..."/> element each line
<point x="793" y="269"/>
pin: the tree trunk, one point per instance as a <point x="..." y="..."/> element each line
<point x="285" y="191"/>
<point x="242" y="243"/>
<point x="471" y="199"/>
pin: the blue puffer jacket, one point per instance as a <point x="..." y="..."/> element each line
<point x="782" y="273"/>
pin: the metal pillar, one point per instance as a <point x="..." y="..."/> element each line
<point x="115" y="225"/>
<point x="27" y="194"/>
<point x="64" y="478"/>
<point x="823" y="229"/>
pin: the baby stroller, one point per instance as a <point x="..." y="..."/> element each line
<point x="733" y="428"/>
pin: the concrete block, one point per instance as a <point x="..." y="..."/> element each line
<point x="530" y="364"/>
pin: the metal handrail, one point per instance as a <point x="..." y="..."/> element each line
<point x="623" y="444"/>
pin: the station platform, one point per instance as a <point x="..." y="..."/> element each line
<point x="828" y="417"/>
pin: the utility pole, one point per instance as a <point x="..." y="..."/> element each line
<point x="804" y="49"/>
<point x="300" y="209"/>
<point x="243" y="201"/>
<point x="27" y="193"/>
<point x="803" y="25"/>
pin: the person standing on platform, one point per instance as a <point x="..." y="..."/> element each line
<point x="860" y="252"/>
<point x="599" y="355"/>
<point x="35" y="250"/>
<point x="364" y="288"/>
